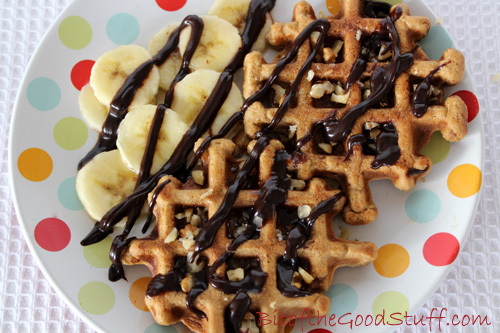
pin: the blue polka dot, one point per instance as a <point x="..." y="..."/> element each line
<point x="344" y="299"/>
<point x="437" y="41"/>
<point x="43" y="93"/>
<point x="67" y="194"/>
<point x="422" y="206"/>
<point x="155" y="328"/>
<point x="122" y="28"/>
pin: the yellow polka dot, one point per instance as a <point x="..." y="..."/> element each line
<point x="137" y="293"/>
<point x="465" y="180"/>
<point x="333" y="6"/>
<point x="35" y="164"/>
<point x="392" y="261"/>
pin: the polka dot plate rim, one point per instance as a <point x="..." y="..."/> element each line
<point x="46" y="142"/>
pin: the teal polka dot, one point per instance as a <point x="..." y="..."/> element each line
<point x="155" y="328"/>
<point x="122" y="28"/>
<point x="43" y="93"/>
<point x="437" y="41"/>
<point x="67" y="194"/>
<point x="422" y="206"/>
<point x="344" y="299"/>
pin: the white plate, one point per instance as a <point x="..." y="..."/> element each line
<point x="48" y="139"/>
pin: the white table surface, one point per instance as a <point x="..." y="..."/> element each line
<point x="29" y="304"/>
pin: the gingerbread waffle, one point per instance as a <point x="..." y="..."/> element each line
<point x="353" y="166"/>
<point x="167" y="251"/>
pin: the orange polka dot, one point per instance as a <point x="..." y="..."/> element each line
<point x="465" y="180"/>
<point x="392" y="261"/>
<point x="35" y="164"/>
<point x="137" y="293"/>
<point x="333" y="6"/>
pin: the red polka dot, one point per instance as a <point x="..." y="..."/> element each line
<point x="80" y="74"/>
<point x="441" y="249"/>
<point x="471" y="101"/>
<point x="171" y="5"/>
<point x="52" y="234"/>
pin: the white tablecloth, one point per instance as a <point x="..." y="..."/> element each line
<point x="29" y="304"/>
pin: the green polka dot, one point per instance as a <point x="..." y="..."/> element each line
<point x="393" y="2"/>
<point x="70" y="133"/>
<point x="437" y="149"/>
<point x="155" y="328"/>
<point x="437" y="41"/>
<point x="98" y="254"/>
<point x="391" y="304"/>
<point x="96" y="298"/>
<point x="75" y="32"/>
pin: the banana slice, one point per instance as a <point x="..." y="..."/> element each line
<point x="235" y="12"/>
<point x="133" y="134"/>
<point x="104" y="182"/>
<point x="192" y="92"/>
<point x="218" y="44"/>
<point x="112" y="69"/>
<point x="169" y="69"/>
<point x="93" y="111"/>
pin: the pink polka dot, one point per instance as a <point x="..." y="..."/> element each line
<point x="471" y="101"/>
<point x="441" y="249"/>
<point x="171" y="5"/>
<point x="52" y="234"/>
<point x="80" y="74"/>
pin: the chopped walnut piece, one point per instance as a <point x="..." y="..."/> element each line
<point x="326" y="147"/>
<point x="304" y="211"/>
<point x="198" y="177"/>
<point x="187" y="283"/>
<point x="310" y="75"/>
<point x="194" y="267"/>
<point x="384" y="54"/>
<point x="189" y="231"/>
<point x="249" y="326"/>
<point x="358" y="35"/>
<point x="318" y="90"/>
<point x="279" y="235"/>
<point x="195" y="220"/>
<point x="297" y="184"/>
<point x="292" y="129"/>
<point x="366" y="94"/>
<point x="187" y="242"/>
<point x="308" y="278"/>
<point x="296" y="280"/>
<point x="172" y="236"/>
<point x="369" y="125"/>
<point x="235" y="275"/>
<point x="279" y="93"/>
<point x="188" y="213"/>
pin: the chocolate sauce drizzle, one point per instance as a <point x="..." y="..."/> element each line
<point x="420" y="98"/>
<point x="376" y="9"/>
<point x="387" y="148"/>
<point x="297" y="237"/>
<point x="382" y="82"/>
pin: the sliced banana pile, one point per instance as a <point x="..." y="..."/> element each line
<point x="110" y="176"/>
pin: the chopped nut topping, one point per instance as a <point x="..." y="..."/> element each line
<point x="236" y="275"/>
<point x="249" y="326"/>
<point x="296" y="280"/>
<point x="194" y="267"/>
<point x="198" y="177"/>
<point x="189" y="231"/>
<point x="187" y="283"/>
<point x="187" y="242"/>
<point x="314" y="37"/>
<point x="273" y="304"/>
<point x="292" y="129"/>
<point x="239" y="230"/>
<point x="318" y="90"/>
<point x="171" y="236"/>
<point x="188" y="213"/>
<point x="331" y="54"/>
<point x="207" y="193"/>
<point x="327" y="148"/>
<point x="304" y="211"/>
<point x="180" y="216"/>
<point x="369" y="125"/>
<point x="358" y="35"/>
<point x="310" y="75"/>
<point x="279" y="93"/>
<point x="297" y="184"/>
<point x="195" y="220"/>
<point x="383" y="55"/>
<point x="367" y="94"/>
<point x="279" y="235"/>
<point x="308" y="278"/>
<point x="341" y="99"/>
